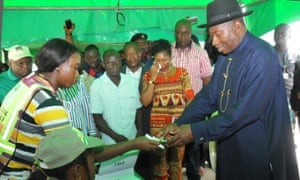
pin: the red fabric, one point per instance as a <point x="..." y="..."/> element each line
<point x="92" y="72"/>
<point x="189" y="94"/>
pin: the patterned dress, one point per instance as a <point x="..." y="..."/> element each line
<point x="171" y="94"/>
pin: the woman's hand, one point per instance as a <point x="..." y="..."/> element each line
<point x="154" y="70"/>
<point x="144" y="144"/>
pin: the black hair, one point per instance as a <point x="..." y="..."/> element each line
<point x="53" y="53"/>
<point x="184" y="22"/>
<point x="161" y="45"/>
<point x="91" y="47"/>
<point x="131" y="44"/>
<point x="110" y="52"/>
<point x="138" y="36"/>
<point x="60" y="172"/>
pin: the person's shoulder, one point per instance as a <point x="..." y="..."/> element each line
<point x="256" y="45"/>
<point x="294" y="52"/>
<point x="173" y="47"/>
<point x="197" y="47"/>
<point x="44" y="97"/>
<point x="96" y="82"/>
<point x="261" y="51"/>
<point x="257" y="42"/>
<point x="101" y="78"/>
<point x="4" y="74"/>
<point x="8" y="79"/>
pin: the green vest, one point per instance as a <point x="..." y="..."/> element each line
<point x="15" y="102"/>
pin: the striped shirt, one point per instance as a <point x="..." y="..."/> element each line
<point x="195" y="60"/>
<point x="44" y="114"/>
<point x="76" y="101"/>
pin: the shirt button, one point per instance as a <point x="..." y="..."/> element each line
<point x="201" y="139"/>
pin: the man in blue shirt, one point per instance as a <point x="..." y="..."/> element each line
<point x="252" y="129"/>
<point x="20" y="65"/>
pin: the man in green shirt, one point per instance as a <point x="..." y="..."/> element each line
<point x="20" y="65"/>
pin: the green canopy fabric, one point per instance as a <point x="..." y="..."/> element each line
<point x="32" y="22"/>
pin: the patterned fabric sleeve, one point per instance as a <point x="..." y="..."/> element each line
<point x="187" y="86"/>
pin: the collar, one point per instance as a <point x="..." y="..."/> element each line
<point x="108" y="80"/>
<point x="128" y="70"/>
<point x="243" y="42"/>
<point x="11" y="75"/>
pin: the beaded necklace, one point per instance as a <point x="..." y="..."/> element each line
<point x="224" y="90"/>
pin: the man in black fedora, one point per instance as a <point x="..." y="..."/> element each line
<point x="252" y="128"/>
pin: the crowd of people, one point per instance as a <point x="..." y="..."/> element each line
<point x="83" y="107"/>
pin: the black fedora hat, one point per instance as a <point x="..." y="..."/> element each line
<point x="220" y="11"/>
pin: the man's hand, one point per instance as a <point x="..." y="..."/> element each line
<point x="182" y="136"/>
<point x="169" y="130"/>
<point x="69" y="31"/>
